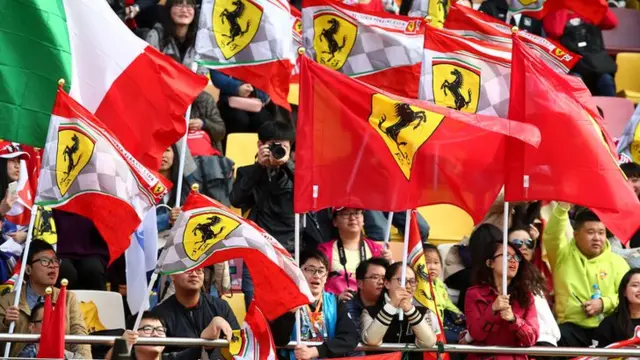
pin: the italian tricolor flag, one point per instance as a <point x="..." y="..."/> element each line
<point x="140" y="94"/>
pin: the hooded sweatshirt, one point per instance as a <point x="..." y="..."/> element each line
<point x="574" y="274"/>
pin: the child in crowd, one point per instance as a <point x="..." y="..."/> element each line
<point x="436" y="295"/>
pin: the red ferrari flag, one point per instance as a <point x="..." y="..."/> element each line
<point x="363" y="148"/>
<point x="575" y="161"/>
<point x="592" y="10"/>
<point x="54" y="323"/>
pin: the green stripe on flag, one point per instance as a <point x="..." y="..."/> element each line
<point x="34" y="53"/>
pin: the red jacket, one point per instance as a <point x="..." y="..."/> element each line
<point x="488" y="328"/>
<point x="554" y="22"/>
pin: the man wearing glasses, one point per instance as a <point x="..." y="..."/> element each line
<point x="42" y="266"/>
<point x="370" y="278"/>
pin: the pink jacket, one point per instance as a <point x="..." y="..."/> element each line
<point x="488" y="328"/>
<point x="337" y="283"/>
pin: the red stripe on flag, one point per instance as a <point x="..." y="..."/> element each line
<point x="401" y="80"/>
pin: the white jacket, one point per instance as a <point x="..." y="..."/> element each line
<point x="549" y="330"/>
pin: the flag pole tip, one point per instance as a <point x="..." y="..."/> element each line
<point x="64" y="282"/>
<point x="301" y="50"/>
<point x="428" y="19"/>
<point x="514" y="29"/>
<point x="49" y="290"/>
<point x="195" y="187"/>
<point x="61" y="82"/>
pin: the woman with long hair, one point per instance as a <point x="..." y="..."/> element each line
<point x="621" y="324"/>
<point x="380" y="323"/>
<point x="497" y="319"/>
<point x="175" y="34"/>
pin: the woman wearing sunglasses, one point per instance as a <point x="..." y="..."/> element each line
<point x="520" y="238"/>
<point x="496" y="319"/>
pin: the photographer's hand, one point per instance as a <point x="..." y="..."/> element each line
<point x="264" y="155"/>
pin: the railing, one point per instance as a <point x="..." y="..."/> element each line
<point x="190" y="342"/>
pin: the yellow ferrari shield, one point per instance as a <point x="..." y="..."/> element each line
<point x="438" y="10"/>
<point x="403" y="127"/>
<point x="235" y="23"/>
<point x="635" y="145"/>
<point x="528" y="2"/>
<point x="204" y="230"/>
<point x="237" y="346"/>
<point x="456" y="85"/>
<point x="75" y="149"/>
<point x="297" y="27"/>
<point x="44" y="228"/>
<point x="334" y="37"/>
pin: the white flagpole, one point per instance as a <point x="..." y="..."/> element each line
<point x="405" y="254"/>
<point x="387" y="230"/>
<point x="297" y="255"/>
<point x="505" y="241"/>
<point x="153" y="279"/>
<point x="23" y="267"/>
<point x="183" y="148"/>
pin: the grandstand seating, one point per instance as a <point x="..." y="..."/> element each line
<point x="628" y="76"/>
<point x="109" y="304"/>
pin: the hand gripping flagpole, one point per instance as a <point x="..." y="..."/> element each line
<point x="183" y="148"/>
<point x="405" y="254"/>
<point x="23" y="266"/>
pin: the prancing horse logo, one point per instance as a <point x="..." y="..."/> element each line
<point x="334" y="37"/>
<point x="204" y="230"/>
<point x="235" y="24"/>
<point x="75" y="148"/>
<point x="456" y="85"/>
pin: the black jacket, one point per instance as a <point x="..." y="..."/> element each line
<point x="189" y="323"/>
<point x="343" y="343"/>
<point x="610" y="331"/>
<point x="498" y="9"/>
<point x="268" y="195"/>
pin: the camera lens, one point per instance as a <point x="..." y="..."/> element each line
<point x="277" y="150"/>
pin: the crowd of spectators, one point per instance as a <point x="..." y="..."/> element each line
<point x="569" y="282"/>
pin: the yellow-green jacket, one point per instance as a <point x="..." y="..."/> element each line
<point x="574" y="275"/>
<point x="423" y="296"/>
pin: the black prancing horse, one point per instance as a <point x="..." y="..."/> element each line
<point x="67" y="155"/>
<point x="454" y="88"/>
<point x="233" y="17"/>
<point x="206" y="232"/>
<point x="405" y="116"/>
<point x="330" y="35"/>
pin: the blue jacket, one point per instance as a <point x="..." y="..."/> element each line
<point x="229" y="86"/>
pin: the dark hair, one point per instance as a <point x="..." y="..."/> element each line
<point x="518" y="227"/>
<point x="363" y="267"/>
<point x="34" y="317"/>
<point x="170" y="27"/>
<point x="522" y="286"/>
<point x="430" y="247"/>
<point x="37" y="246"/>
<point x="584" y="215"/>
<point x="4" y="177"/>
<point x="393" y="268"/>
<point x="630" y="170"/>
<point x="146" y="315"/>
<point x="276" y="130"/>
<point x="622" y="313"/>
<point x="525" y="214"/>
<point x="478" y="241"/>
<point x="314" y="254"/>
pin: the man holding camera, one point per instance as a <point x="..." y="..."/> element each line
<point x="265" y="189"/>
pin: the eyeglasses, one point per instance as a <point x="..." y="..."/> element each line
<point x="346" y="215"/>
<point x="512" y="258"/>
<point x="148" y="330"/>
<point x="518" y="243"/>
<point x="410" y="282"/>
<point x="47" y="262"/>
<point x="184" y="6"/>
<point x="196" y="271"/>
<point x="376" y="278"/>
<point x="311" y="271"/>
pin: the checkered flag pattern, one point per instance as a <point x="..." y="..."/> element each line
<point x="271" y="42"/>
<point x="495" y="81"/>
<point x="106" y="172"/>
<point x="376" y="48"/>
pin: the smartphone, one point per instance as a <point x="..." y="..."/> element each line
<point x="12" y="189"/>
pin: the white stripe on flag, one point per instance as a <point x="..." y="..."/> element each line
<point x="141" y="257"/>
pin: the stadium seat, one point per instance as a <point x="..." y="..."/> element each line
<point x="628" y="76"/>
<point x="448" y="223"/>
<point x="236" y="301"/>
<point x="242" y="148"/>
<point x="109" y="304"/>
<point x="617" y="112"/>
<point x="294" y="93"/>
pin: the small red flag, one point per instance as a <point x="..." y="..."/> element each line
<point x="364" y="148"/>
<point x="575" y="161"/>
<point x="591" y="10"/>
<point x="54" y="324"/>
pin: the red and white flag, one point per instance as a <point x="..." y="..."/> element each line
<point x="296" y="32"/>
<point x="87" y="171"/>
<point x="380" y="49"/>
<point x="254" y="341"/>
<point x="207" y="232"/>
<point x="20" y="212"/>
<point x="468" y="22"/>
<point x="249" y="40"/>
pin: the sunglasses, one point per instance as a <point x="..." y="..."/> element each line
<point x="518" y="243"/>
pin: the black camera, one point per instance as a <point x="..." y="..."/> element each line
<point x="277" y="150"/>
